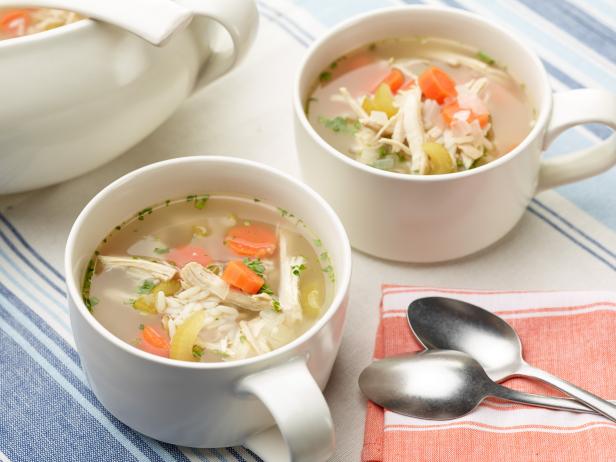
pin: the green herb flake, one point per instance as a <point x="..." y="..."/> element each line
<point x="384" y="151"/>
<point x="93" y="301"/>
<point x="265" y="289"/>
<point x="201" y="200"/>
<point x="220" y="353"/>
<point x="317" y="242"/>
<point x="324" y="256"/>
<point x="141" y="327"/>
<point x="161" y="250"/>
<point x="341" y="124"/>
<point x="243" y="338"/>
<point x="276" y="306"/>
<point x="329" y="270"/>
<point x="118" y="227"/>
<point x="146" y="211"/>
<point x="372" y="47"/>
<point x="256" y="199"/>
<point x="297" y="269"/>
<point x="190" y="198"/>
<point x="333" y="65"/>
<point x="167" y="202"/>
<point x="325" y="76"/>
<point x="146" y="287"/>
<point x="283" y="212"/>
<point x="197" y="351"/>
<point x="97" y="253"/>
<point x="486" y="58"/>
<point x="87" y="283"/>
<point x="255" y="265"/>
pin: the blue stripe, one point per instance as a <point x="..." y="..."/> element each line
<point x="575" y="228"/>
<point x="57" y="317"/>
<point x="577" y="23"/>
<point x="9" y="301"/>
<point x="286" y="28"/>
<point x="38" y="417"/>
<point x="31" y="266"/>
<point x="572" y="239"/>
<point x="236" y="454"/>
<point x="253" y="455"/>
<point x="285" y="19"/>
<point x="21" y="239"/>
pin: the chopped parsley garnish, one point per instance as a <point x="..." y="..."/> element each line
<point x="93" y="301"/>
<point x="167" y="202"/>
<point x="297" y="269"/>
<point x="329" y="270"/>
<point x="256" y="199"/>
<point x="87" y="283"/>
<point x="325" y="76"/>
<point x="333" y="65"/>
<point x="276" y="306"/>
<point x="283" y="212"/>
<point x="190" y="198"/>
<point x="214" y="269"/>
<point x="146" y="211"/>
<point x="118" y="227"/>
<point x="324" y="256"/>
<point x="197" y="351"/>
<point x="486" y="58"/>
<point x="384" y="151"/>
<point x="146" y="287"/>
<point x="141" y="327"/>
<point x="201" y="200"/>
<point x="265" y="289"/>
<point x="243" y="338"/>
<point x="255" y="265"/>
<point x="317" y="242"/>
<point x="161" y="250"/>
<point x="341" y="124"/>
<point x="372" y="47"/>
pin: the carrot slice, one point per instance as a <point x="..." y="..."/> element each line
<point x="187" y="253"/>
<point x="252" y="240"/>
<point x="239" y="275"/>
<point x="436" y="84"/>
<point x="450" y="109"/>
<point x="408" y="85"/>
<point x="15" y="22"/>
<point x="154" y="341"/>
<point x="394" y="80"/>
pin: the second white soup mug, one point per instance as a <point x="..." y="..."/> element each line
<point x="433" y="218"/>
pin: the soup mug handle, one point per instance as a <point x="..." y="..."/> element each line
<point x="298" y="406"/>
<point x="240" y="19"/>
<point x="572" y="108"/>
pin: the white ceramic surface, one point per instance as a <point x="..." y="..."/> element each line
<point x="77" y="96"/>
<point x="441" y="217"/>
<point x="212" y="404"/>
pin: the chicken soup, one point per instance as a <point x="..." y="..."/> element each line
<point x="24" y="21"/>
<point x="209" y="278"/>
<point x="420" y="106"/>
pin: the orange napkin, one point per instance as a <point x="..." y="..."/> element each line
<point x="570" y="334"/>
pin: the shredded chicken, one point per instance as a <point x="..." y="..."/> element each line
<point x="413" y="127"/>
<point x="156" y="270"/>
<point x="289" y="281"/>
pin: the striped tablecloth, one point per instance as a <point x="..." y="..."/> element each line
<point x="566" y="240"/>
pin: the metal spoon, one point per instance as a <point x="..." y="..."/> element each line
<point x="431" y="384"/>
<point x="445" y="323"/>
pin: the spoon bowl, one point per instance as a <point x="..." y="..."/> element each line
<point x="432" y="384"/>
<point x="446" y="323"/>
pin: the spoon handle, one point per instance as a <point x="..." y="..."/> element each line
<point x="550" y="402"/>
<point x="600" y="405"/>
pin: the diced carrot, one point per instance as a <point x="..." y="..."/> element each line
<point x="252" y="241"/>
<point x="15" y="22"/>
<point x="187" y="253"/>
<point x="239" y="275"/>
<point x="394" y="80"/>
<point x="408" y="84"/>
<point x="154" y="341"/>
<point x="436" y="84"/>
<point x="448" y="111"/>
